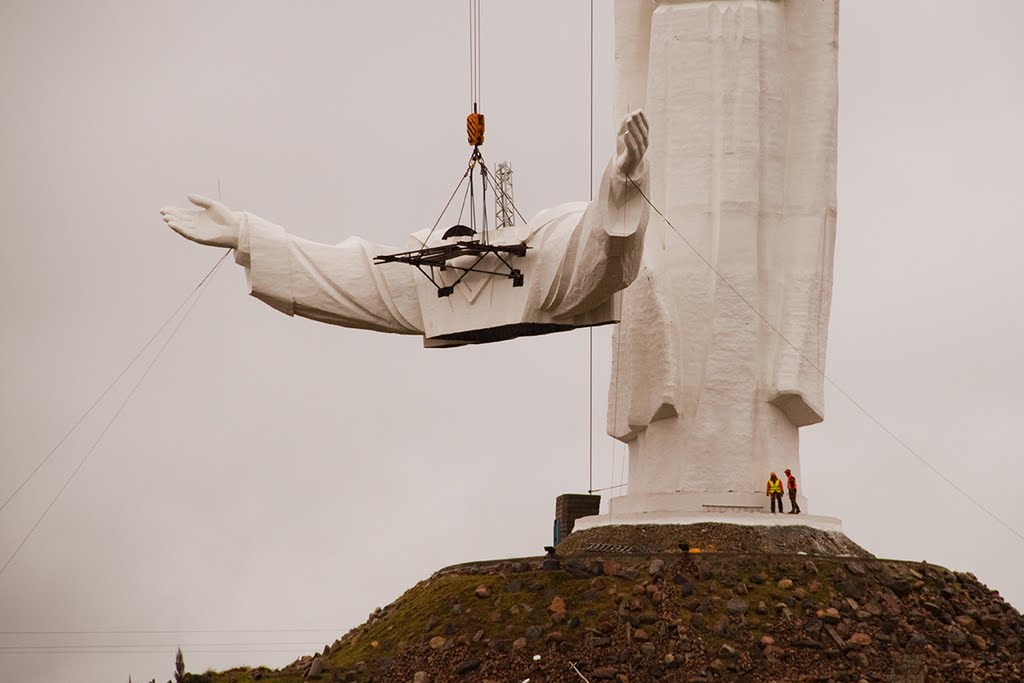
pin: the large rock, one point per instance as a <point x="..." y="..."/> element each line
<point x="316" y="668"/>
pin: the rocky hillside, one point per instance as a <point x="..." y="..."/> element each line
<point x="740" y="613"/>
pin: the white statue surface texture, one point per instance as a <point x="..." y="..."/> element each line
<point x="579" y="255"/>
<point x="710" y="389"/>
<point x="719" y="355"/>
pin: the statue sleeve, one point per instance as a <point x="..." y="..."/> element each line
<point x="603" y="256"/>
<point x="336" y="284"/>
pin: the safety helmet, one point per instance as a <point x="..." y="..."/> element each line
<point x="788" y="472"/>
<point x="773" y="474"/>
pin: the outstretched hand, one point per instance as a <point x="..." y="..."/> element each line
<point x="213" y="223"/>
<point x="632" y="142"/>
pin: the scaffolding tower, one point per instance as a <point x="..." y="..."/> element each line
<point x="504" y="207"/>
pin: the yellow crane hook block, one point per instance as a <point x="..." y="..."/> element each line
<point x="475" y="129"/>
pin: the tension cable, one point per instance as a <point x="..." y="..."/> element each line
<point x="194" y="296"/>
<point x="828" y="379"/>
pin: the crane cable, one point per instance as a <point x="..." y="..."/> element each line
<point x="617" y="342"/>
<point x="474" y="54"/>
<point x="590" y="330"/>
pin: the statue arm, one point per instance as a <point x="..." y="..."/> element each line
<point x="604" y="255"/>
<point x="336" y="284"/>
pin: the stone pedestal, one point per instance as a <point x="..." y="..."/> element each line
<point x="693" y="508"/>
<point x="681" y="501"/>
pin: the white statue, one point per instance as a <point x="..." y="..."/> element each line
<point x="579" y="256"/>
<point x="718" y="360"/>
<point x="741" y="95"/>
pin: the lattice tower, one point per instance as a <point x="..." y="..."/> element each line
<point x="504" y="208"/>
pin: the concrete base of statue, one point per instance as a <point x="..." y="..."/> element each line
<point x="694" y="508"/>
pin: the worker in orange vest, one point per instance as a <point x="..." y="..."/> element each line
<point x="794" y="508"/>
<point x="774" y="489"/>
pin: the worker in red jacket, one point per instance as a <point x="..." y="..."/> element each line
<point x="774" y="489"/>
<point x="794" y="508"/>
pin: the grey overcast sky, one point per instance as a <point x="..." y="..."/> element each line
<point x="274" y="474"/>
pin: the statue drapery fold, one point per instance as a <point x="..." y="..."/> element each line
<point x="742" y="99"/>
<point x="580" y="255"/>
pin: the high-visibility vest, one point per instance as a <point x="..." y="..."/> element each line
<point x="775" y="486"/>
<point x="791" y="483"/>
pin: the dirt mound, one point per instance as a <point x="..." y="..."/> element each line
<point x="644" y="616"/>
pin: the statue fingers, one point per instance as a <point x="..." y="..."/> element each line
<point x="641" y="118"/>
<point x="633" y="153"/>
<point x="623" y="126"/>
<point x="179" y="214"/>
<point x="633" y="144"/>
<point x="634" y="129"/>
<point x="180" y="229"/>
<point x="169" y="212"/>
<point x="644" y="128"/>
<point x="637" y="117"/>
<point x="201" y="201"/>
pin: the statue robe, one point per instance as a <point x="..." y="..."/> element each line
<point x="579" y="256"/>
<point x="742" y="99"/>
